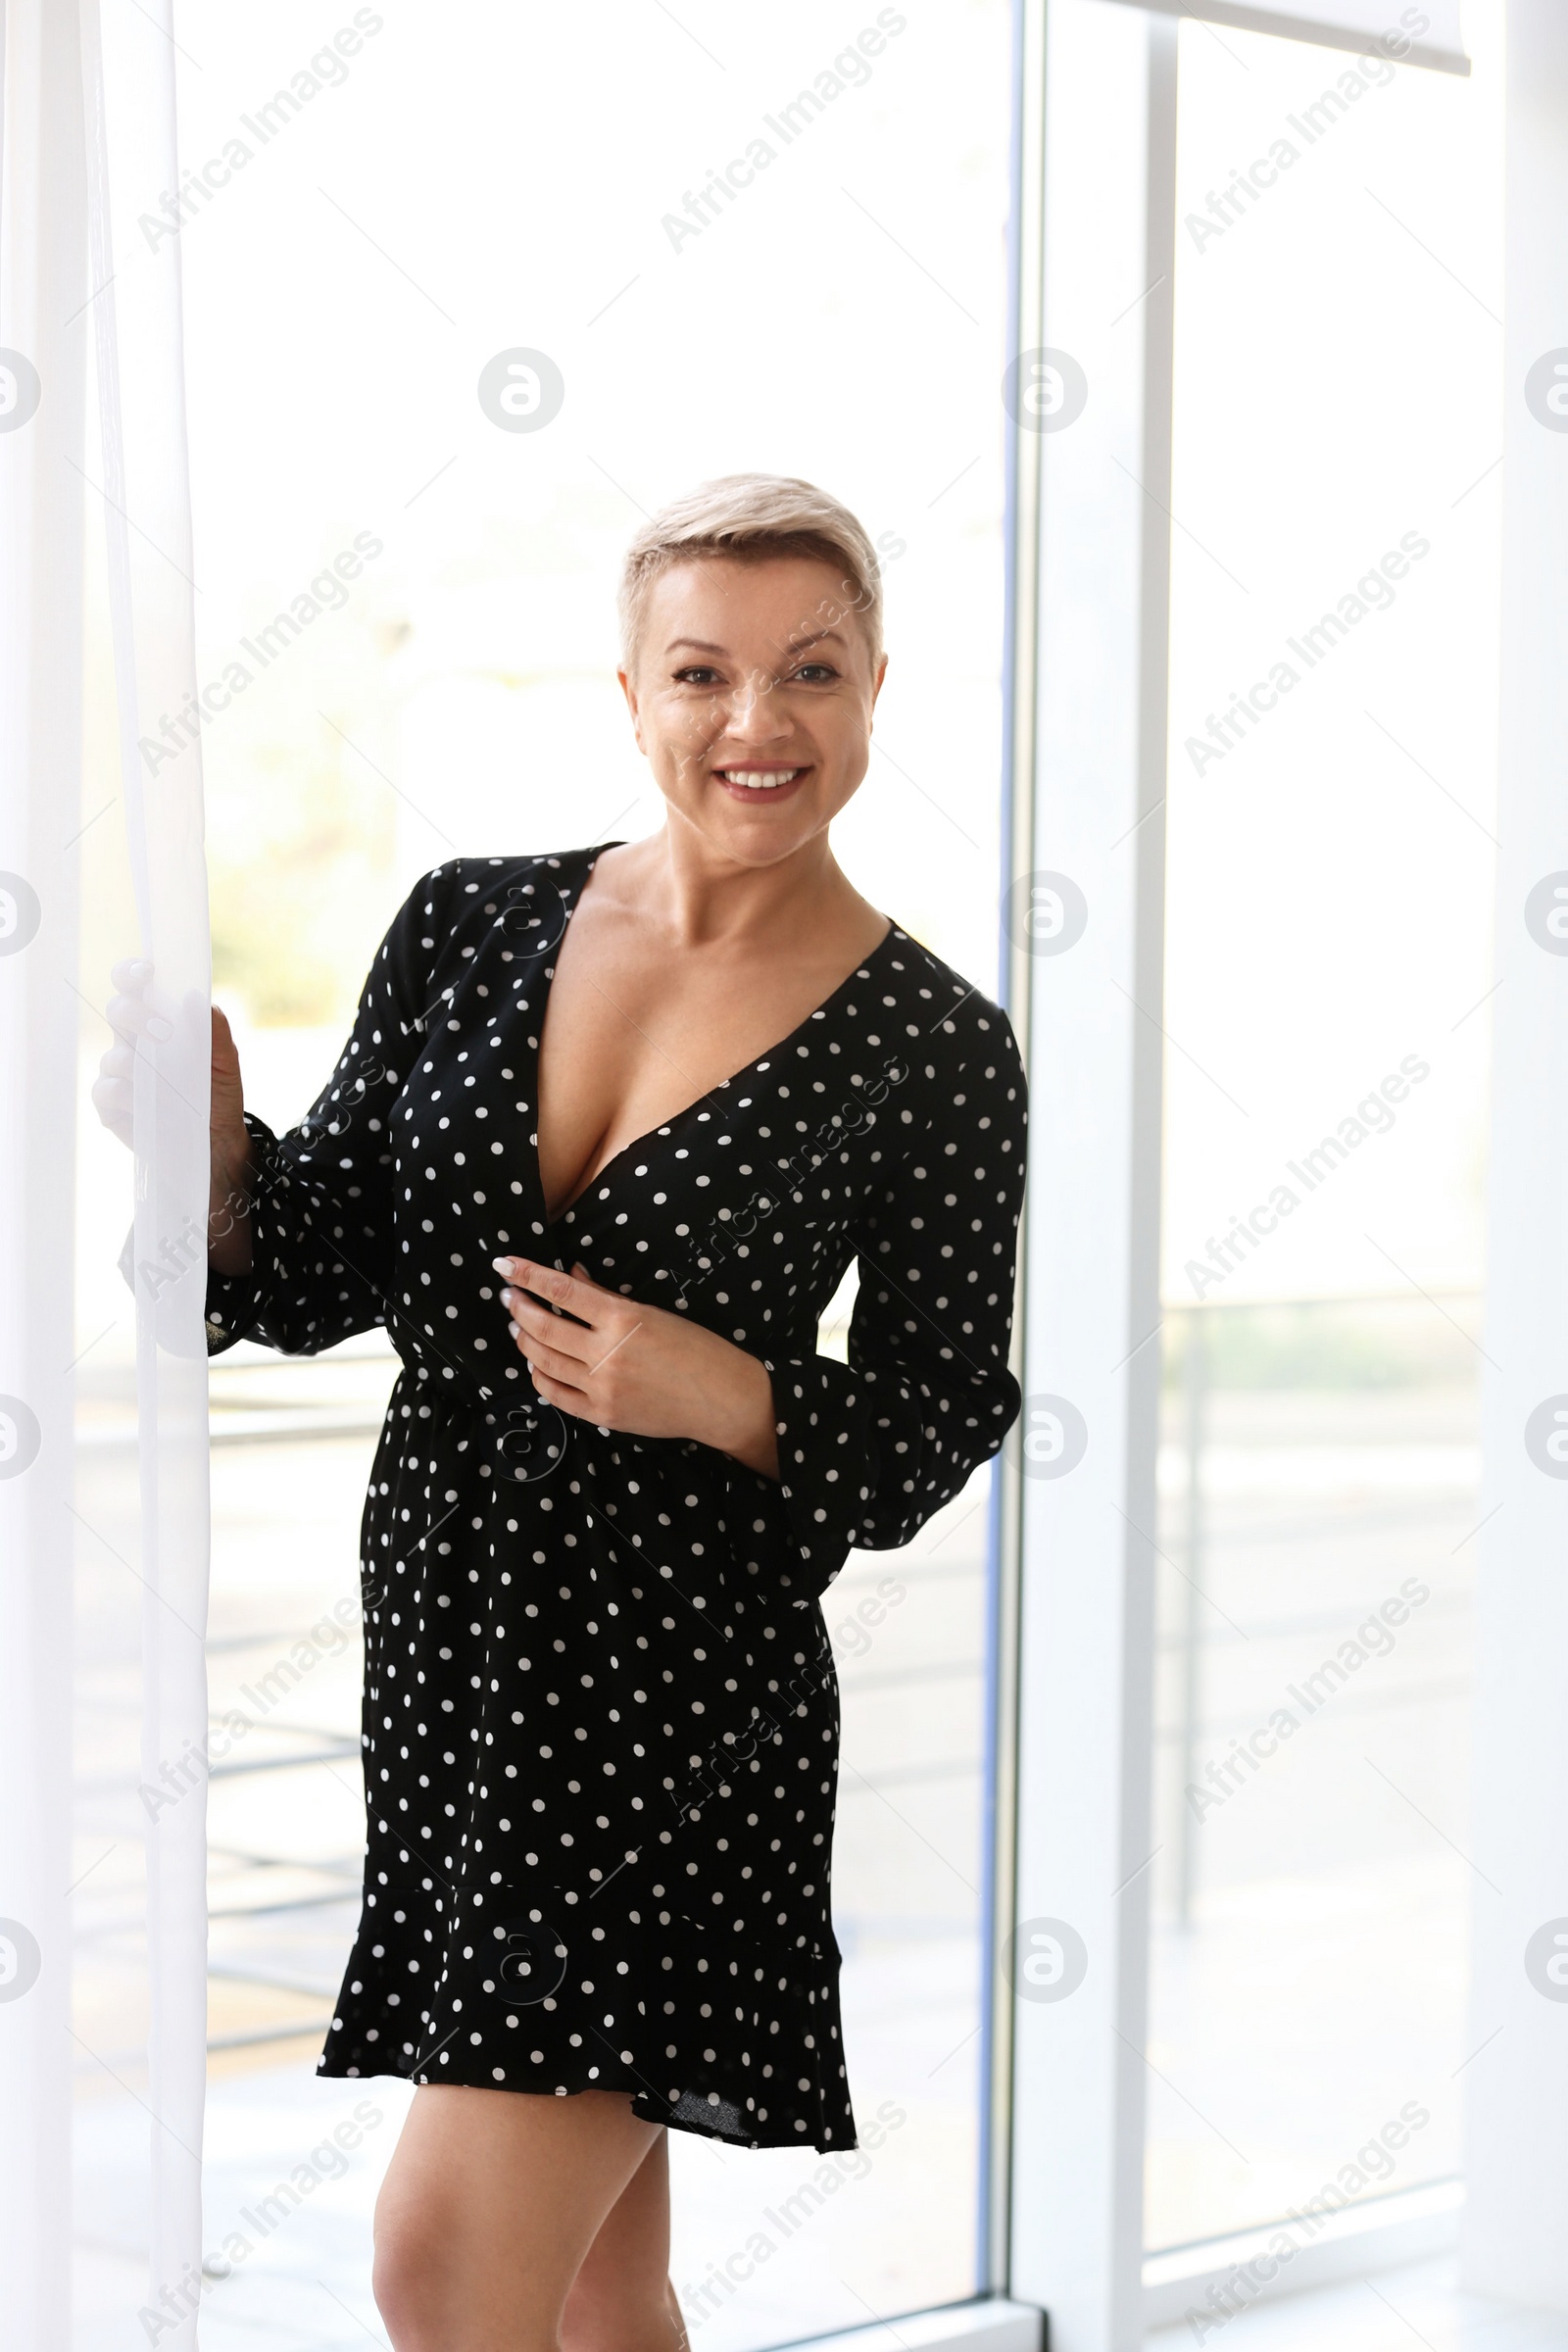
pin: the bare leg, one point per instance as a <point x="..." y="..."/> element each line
<point x="489" y="2208"/>
<point x="622" y="2299"/>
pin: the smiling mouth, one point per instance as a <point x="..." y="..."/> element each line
<point x="757" y="780"/>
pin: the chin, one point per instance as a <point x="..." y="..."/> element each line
<point x="752" y="835"/>
<point x="756" y="841"/>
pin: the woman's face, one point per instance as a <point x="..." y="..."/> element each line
<point x="752" y="698"/>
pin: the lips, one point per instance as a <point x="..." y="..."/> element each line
<point x="768" y="783"/>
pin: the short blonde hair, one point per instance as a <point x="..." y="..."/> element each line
<point x="753" y="517"/>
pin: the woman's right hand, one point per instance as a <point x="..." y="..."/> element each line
<point x="229" y="1208"/>
<point x="132" y="1016"/>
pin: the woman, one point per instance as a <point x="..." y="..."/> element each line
<point x="610" y="1127"/>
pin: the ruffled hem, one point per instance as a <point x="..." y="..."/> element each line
<point x="710" y="2114"/>
<point x="747" y="2051"/>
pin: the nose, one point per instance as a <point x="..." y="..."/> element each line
<point x="756" y="712"/>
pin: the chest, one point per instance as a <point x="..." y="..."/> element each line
<point x="781" y="1147"/>
<point x="734" y="1213"/>
<point x="635" y="1038"/>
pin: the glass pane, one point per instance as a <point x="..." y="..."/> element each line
<point x="839" y="314"/>
<point x="1333" y="717"/>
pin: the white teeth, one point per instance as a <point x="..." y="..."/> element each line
<point x="756" y="779"/>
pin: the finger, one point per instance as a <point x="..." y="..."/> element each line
<point x="550" y="1329"/>
<point x="599" y="1290"/>
<point x="548" y="1282"/>
<point x="130" y="974"/>
<point x="111" y="1099"/>
<point x="545" y="1336"/>
<point x="131" y="1017"/>
<point x="562" y="1395"/>
<point x="550" y="1361"/>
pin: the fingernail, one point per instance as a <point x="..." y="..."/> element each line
<point x="506" y="1296"/>
<point x="504" y="1265"/>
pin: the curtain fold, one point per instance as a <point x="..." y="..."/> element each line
<point x="103" y="1572"/>
<point x="131" y="154"/>
<point x="43" y="333"/>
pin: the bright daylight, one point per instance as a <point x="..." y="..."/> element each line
<point x="783" y="1399"/>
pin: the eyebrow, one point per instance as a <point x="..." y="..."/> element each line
<point x="796" y="645"/>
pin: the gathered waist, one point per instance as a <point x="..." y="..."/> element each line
<point x="521" y="1439"/>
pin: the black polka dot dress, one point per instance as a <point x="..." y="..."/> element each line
<point x="601" y="1721"/>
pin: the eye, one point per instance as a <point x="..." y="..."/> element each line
<point x="816" y="673"/>
<point x="698" y="673"/>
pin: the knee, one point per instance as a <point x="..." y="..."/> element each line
<point x="441" y="2289"/>
<point x="409" y="2283"/>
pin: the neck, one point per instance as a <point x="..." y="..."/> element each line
<point x="702" y="897"/>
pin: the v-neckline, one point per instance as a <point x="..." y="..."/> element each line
<point x="667" y="1126"/>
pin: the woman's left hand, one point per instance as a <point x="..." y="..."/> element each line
<point x="622" y="1365"/>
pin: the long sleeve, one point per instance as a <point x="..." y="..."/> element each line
<point x="321" y="1197"/>
<point x="868" y="1450"/>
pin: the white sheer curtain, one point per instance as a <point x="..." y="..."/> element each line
<point x="103" y="1717"/>
<point x="41" y="268"/>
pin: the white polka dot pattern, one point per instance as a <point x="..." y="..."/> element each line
<point x="601" y="1720"/>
